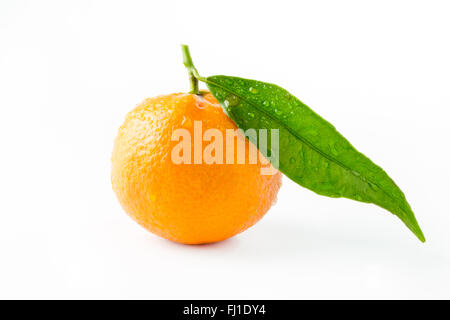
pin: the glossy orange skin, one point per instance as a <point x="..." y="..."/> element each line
<point x="186" y="203"/>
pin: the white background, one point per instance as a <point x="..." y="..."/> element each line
<point x="71" y="70"/>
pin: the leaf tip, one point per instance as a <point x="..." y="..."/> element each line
<point x="413" y="225"/>
<point x="421" y="236"/>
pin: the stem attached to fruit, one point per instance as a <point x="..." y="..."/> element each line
<point x="193" y="73"/>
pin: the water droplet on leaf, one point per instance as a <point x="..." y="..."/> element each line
<point x="312" y="132"/>
<point x="373" y="187"/>
<point x="333" y="149"/>
<point x="232" y="101"/>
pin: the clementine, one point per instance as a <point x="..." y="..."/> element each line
<point x="188" y="203"/>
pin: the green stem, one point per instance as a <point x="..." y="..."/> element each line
<point x="193" y="73"/>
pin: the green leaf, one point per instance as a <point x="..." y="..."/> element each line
<point x="311" y="151"/>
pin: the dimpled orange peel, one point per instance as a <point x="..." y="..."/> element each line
<point x="187" y="203"/>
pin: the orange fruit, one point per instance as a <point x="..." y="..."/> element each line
<point x="186" y="203"/>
